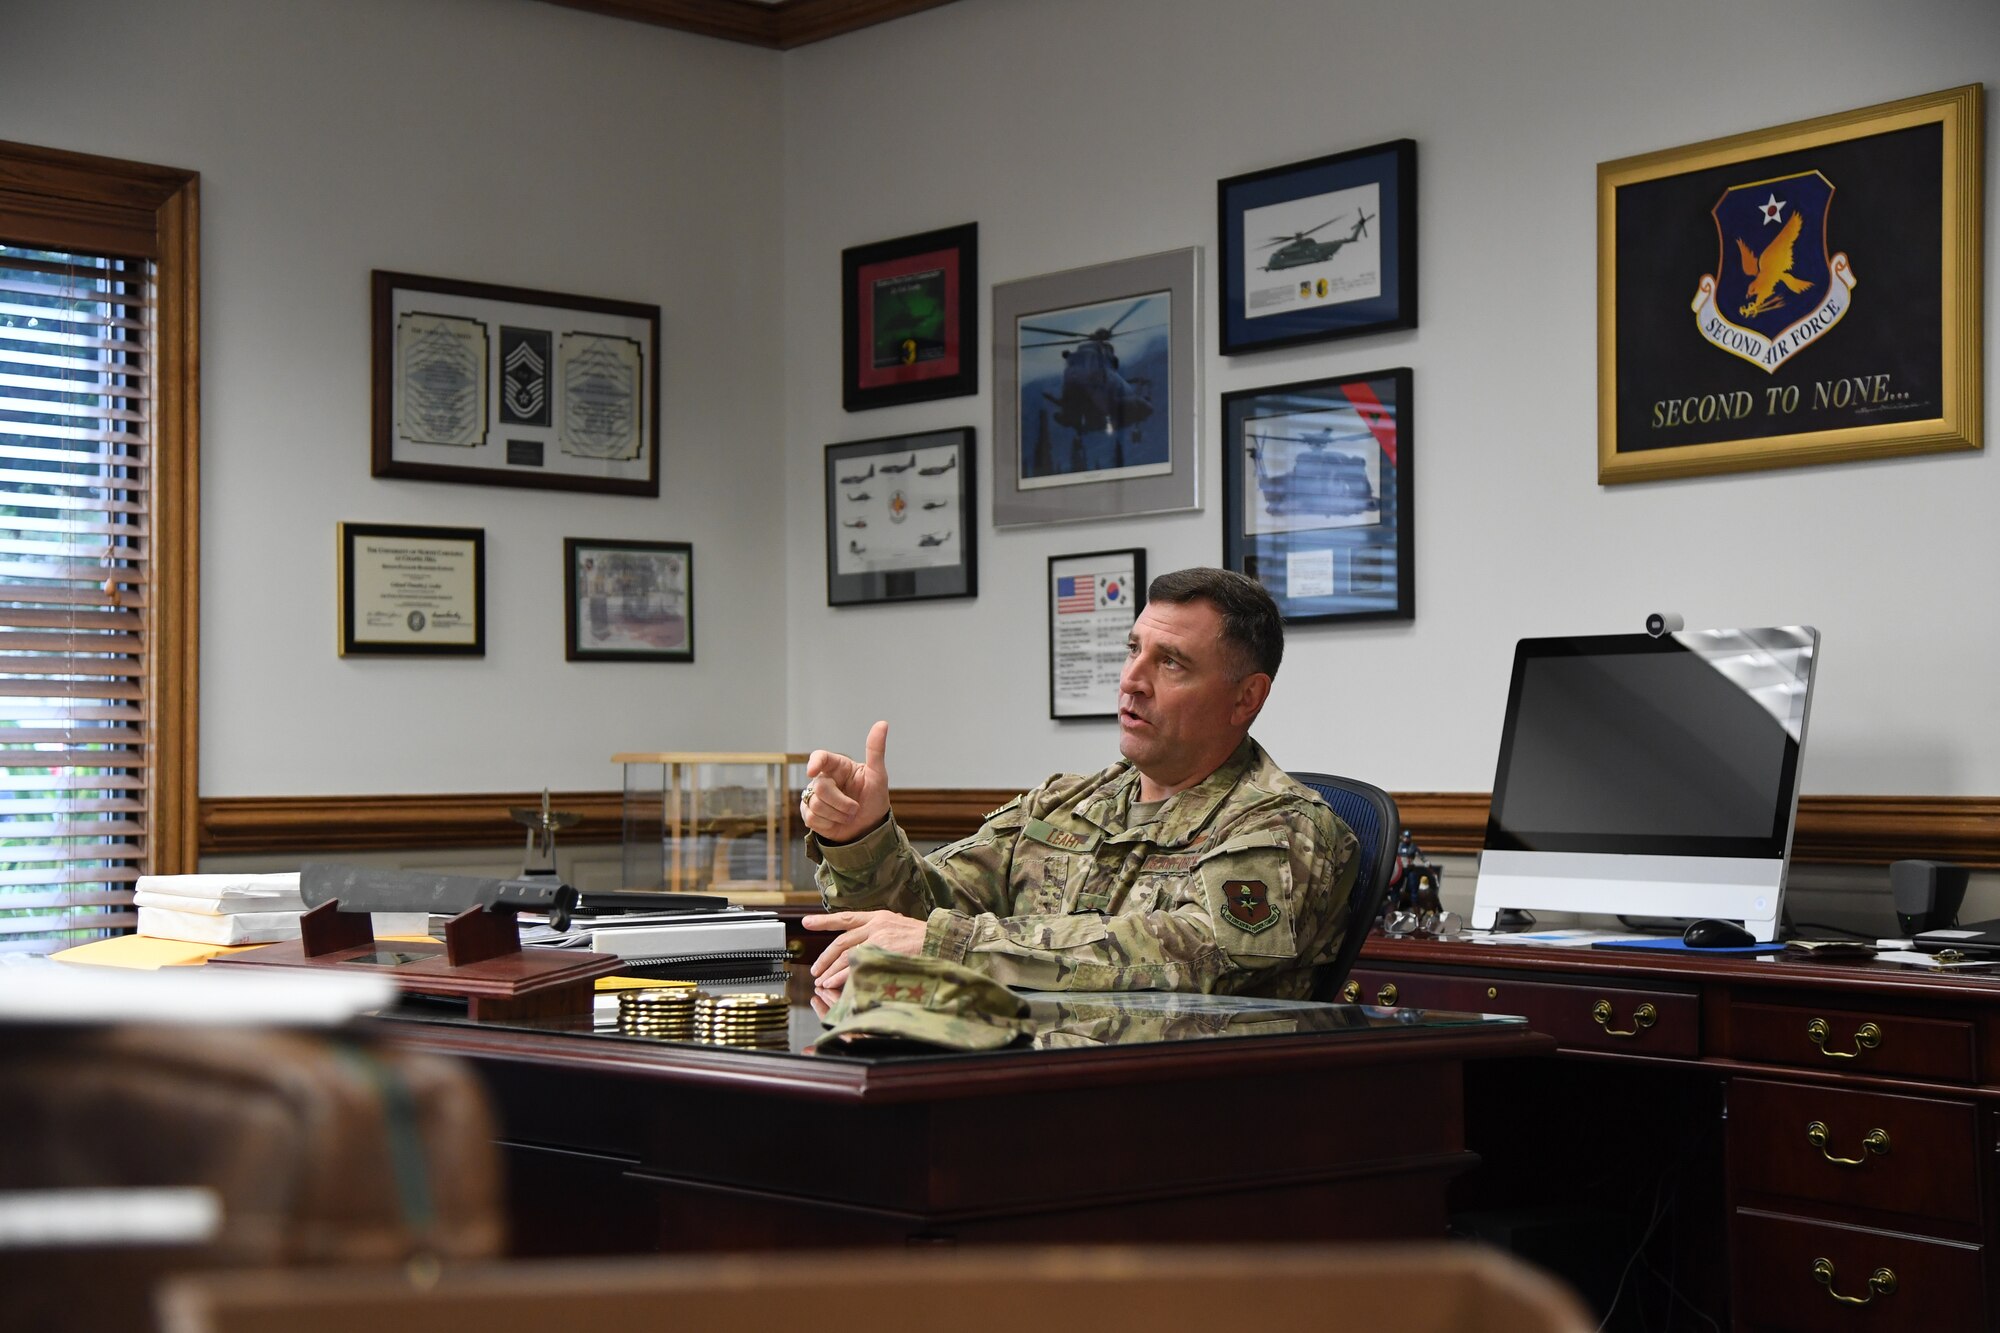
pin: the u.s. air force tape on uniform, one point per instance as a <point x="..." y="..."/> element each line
<point x="928" y="1000"/>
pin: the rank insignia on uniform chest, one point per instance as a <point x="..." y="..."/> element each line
<point x="1247" y="904"/>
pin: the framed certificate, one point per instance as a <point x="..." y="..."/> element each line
<point x="412" y="591"/>
<point x="1093" y="600"/>
<point x="502" y="386"/>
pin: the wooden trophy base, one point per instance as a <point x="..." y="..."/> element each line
<point x="481" y="961"/>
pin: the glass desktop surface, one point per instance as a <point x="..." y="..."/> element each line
<point x="1074" y="1020"/>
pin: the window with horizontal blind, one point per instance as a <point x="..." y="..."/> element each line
<point x="96" y="542"/>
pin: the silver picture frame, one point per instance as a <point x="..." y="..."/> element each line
<point x="1083" y="426"/>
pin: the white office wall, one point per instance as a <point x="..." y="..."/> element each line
<point x="500" y="141"/>
<point x="1080" y="131"/>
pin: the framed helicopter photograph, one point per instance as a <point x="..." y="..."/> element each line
<point x="1317" y="495"/>
<point x="1096" y="392"/>
<point x="909" y="319"/>
<point x="901" y="522"/>
<point x="1320" y="249"/>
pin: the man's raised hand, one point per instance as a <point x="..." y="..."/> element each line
<point x="844" y="800"/>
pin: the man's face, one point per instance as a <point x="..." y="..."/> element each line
<point x="1182" y="707"/>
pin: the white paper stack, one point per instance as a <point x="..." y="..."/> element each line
<point x="220" y="909"/>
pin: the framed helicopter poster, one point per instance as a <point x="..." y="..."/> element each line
<point x="1803" y="294"/>
<point x="900" y="519"/>
<point x="1320" y="249"/>
<point x="909" y="319"/>
<point x="1096" y="392"/>
<point x="502" y="386"/>
<point x="1317" y="495"/>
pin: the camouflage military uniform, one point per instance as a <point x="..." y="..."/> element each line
<point x="1237" y="885"/>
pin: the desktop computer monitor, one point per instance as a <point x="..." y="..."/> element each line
<point x="1650" y="775"/>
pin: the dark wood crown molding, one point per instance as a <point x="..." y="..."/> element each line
<point x="780" y="26"/>
<point x="1832" y="830"/>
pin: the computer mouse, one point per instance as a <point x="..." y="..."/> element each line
<point x="1716" y="935"/>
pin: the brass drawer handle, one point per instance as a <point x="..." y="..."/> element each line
<point x="1642" y="1018"/>
<point x="1881" y="1282"/>
<point x="1875" y="1141"/>
<point x="1866" y="1037"/>
<point x="1386" y="997"/>
<point x="1351" y="992"/>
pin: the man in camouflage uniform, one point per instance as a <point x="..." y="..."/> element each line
<point x="1193" y="864"/>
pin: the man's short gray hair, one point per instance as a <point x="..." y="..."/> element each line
<point x="1251" y="623"/>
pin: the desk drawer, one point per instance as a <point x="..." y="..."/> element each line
<point x="1900" y="1154"/>
<point x="1619" y="1018"/>
<point x="1853" y="1041"/>
<point x="1929" y="1285"/>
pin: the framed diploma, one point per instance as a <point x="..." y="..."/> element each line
<point x="412" y="591"/>
<point x="1093" y="600"/>
<point x="502" y="386"/>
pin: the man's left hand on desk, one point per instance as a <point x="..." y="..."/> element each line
<point x="885" y="930"/>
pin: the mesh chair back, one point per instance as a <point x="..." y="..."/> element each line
<point x="1371" y="813"/>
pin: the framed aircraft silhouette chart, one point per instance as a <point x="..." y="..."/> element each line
<point x="1803" y="294"/>
<point x="1317" y="495"/>
<point x="1318" y="250"/>
<point x="909" y="319"/>
<point x="900" y="519"/>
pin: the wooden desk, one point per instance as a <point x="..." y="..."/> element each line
<point x="1780" y="1067"/>
<point x="1339" y="1124"/>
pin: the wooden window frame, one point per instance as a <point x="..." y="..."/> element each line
<point x="76" y="201"/>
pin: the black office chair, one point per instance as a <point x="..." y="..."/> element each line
<point x="1371" y="813"/>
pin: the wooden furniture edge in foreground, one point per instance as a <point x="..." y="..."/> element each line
<point x="1832" y="830"/>
<point x="1414" y="1287"/>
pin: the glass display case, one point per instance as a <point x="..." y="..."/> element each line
<point x="716" y="823"/>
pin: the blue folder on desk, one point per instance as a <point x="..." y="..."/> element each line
<point x="1674" y="944"/>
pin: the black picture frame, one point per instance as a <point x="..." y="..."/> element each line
<point x="1803" y="294"/>
<point x="1334" y="542"/>
<point x="1088" y="630"/>
<point x="880" y="544"/>
<point x="411" y="591"/>
<point x="909" y="318"/>
<point x="627" y="601"/>
<point x="1323" y="295"/>
<point x="506" y="386"/>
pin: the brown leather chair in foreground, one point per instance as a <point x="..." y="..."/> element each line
<point x="316" y="1148"/>
<point x="1411" y="1289"/>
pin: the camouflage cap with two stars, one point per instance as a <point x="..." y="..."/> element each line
<point x="914" y="998"/>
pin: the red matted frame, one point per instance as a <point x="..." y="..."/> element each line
<point x="910" y="319"/>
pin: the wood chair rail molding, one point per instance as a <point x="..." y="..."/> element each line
<point x="781" y="25"/>
<point x="1832" y="830"/>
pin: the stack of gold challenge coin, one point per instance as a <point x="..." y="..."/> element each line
<point x="666" y="1013"/>
<point x="742" y="1020"/>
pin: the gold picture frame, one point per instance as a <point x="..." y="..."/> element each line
<point x="1769" y="299"/>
